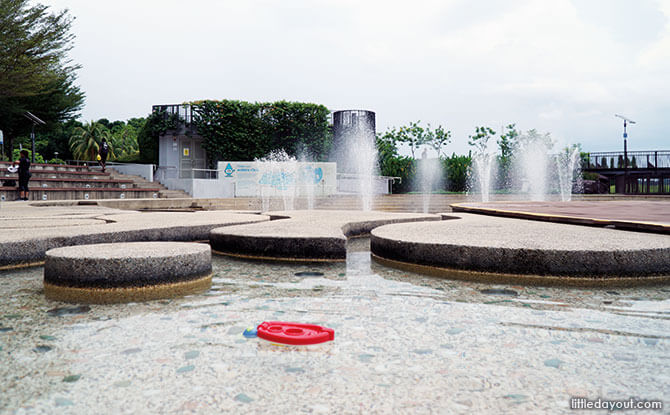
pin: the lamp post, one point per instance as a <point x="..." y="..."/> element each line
<point x="35" y="121"/>
<point x="626" y="121"/>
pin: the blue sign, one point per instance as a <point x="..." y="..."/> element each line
<point x="278" y="180"/>
<point x="229" y="170"/>
<point x="310" y="175"/>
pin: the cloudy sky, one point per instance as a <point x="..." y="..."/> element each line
<point x="559" y="66"/>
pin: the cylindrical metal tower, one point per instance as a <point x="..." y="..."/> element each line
<point x="352" y="131"/>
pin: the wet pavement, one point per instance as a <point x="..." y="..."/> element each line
<point x="404" y="343"/>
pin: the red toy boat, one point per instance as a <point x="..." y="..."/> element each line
<point x="294" y="333"/>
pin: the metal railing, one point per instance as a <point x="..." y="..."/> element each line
<point x="636" y="160"/>
<point x="81" y="162"/>
<point x="184" y="113"/>
<point x="162" y="173"/>
<point x="390" y="180"/>
<point x="209" y="174"/>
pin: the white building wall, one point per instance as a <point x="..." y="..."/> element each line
<point x="144" y="170"/>
<point x="297" y="179"/>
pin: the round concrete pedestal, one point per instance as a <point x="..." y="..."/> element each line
<point x="126" y="272"/>
<point x="500" y="250"/>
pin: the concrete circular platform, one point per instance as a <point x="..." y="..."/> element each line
<point x="49" y="223"/>
<point x="309" y="236"/>
<point x="492" y="249"/>
<point x="29" y="231"/>
<point x="126" y="272"/>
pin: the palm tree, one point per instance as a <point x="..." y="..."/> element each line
<point x="85" y="142"/>
<point x="125" y="142"/>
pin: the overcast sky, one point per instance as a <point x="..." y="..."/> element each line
<point x="559" y="66"/>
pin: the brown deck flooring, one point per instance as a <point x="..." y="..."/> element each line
<point x="635" y="215"/>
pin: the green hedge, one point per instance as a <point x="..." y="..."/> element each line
<point x="456" y="168"/>
<point x="239" y="130"/>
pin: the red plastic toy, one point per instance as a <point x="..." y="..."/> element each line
<point x="294" y="333"/>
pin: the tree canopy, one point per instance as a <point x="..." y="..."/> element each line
<point x="35" y="72"/>
<point x="239" y="130"/>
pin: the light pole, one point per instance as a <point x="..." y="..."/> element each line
<point x="35" y="121"/>
<point x="626" y="121"/>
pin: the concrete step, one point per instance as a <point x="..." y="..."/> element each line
<point x="68" y="193"/>
<point x="42" y="166"/>
<point x="392" y="203"/>
<point x="55" y="174"/>
<point x="173" y="194"/>
<point x="67" y="182"/>
<point x="77" y="183"/>
<point x="163" y="193"/>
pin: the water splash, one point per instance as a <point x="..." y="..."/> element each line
<point x="366" y="169"/>
<point x="356" y="157"/>
<point x="567" y="167"/>
<point x="483" y="171"/>
<point x="429" y="177"/>
<point x="532" y="165"/>
<point x="283" y="178"/>
<point x="278" y="173"/>
<point x="306" y="176"/>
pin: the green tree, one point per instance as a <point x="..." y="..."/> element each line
<point x="35" y="73"/>
<point x="392" y="164"/>
<point x="413" y="135"/>
<point x="238" y="130"/>
<point x="439" y="138"/>
<point x="534" y="136"/>
<point x="85" y="143"/>
<point x="508" y="143"/>
<point x="124" y="142"/>
<point x="137" y="123"/>
<point x="16" y="154"/>
<point x="386" y="147"/>
<point x="480" y="139"/>
<point x="457" y="171"/>
<point x="299" y="128"/>
<point x="57" y="140"/>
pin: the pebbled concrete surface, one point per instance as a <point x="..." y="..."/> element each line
<point x="304" y="235"/>
<point x="501" y="245"/>
<point x="29" y="231"/>
<point x="123" y="272"/>
<point x="126" y="264"/>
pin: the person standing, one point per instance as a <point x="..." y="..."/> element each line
<point x="24" y="174"/>
<point x="102" y="155"/>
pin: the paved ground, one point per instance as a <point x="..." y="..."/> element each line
<point x="644" y="215"/>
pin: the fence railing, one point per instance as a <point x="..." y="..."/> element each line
<point x="209" y="174"/>
<point x="345" y="180"/>
<point x="163" y="173"/>
<point x="631" y="160"/>
<point x="184" y="113"/>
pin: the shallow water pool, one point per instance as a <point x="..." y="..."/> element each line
<point x="403" y="343"/>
